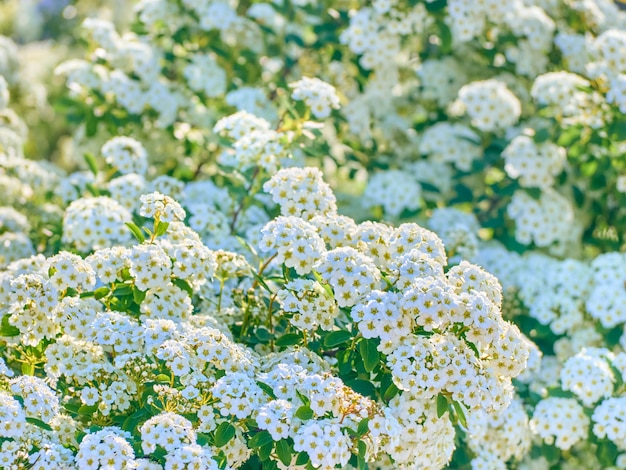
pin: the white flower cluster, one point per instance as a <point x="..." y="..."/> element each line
<point x="301" y="192"/>
<point x="588" y="375"/>
<point x="312" y="305"/>
<point x="563" y="93"/>
<point x="255" y="144"/>
<point x="543" y="221"/>
<point x="394" y="190"/>
<point x="490" y="105"/>
<point x="560" y="421"/>
<point x="451" y="143"/>
<point x="317" y="94"/>
<point x="162" y="208"/>
<point x="297" y="243"/>
<point x="533" y="165"/>
<point x="126" y="154"/>
<point x="93" y="223"/>
<point x="501" y="436"/>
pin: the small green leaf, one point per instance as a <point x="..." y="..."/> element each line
<point x="442" y="405"/>
<point x="133" y="420"/>
<point x="184" y="285"/>
<point x="288" y="340"/>
<point x="541" y="136"/>
<point x="85" y="410"/>
<point x="460" y="413"/>
<point x="283" y="450"/>
<point x="267" y="389"/>
<point x="138" y="295"/>
<point x="364" y="387"/>
<point x="391" y="392"/>
<point x="263" y="334"/>
<point x="362" y="449"/>
<point x="302" y="458"/>
<point x="28" y="369"/>
<point x="136" y="231"/>
<point x="363" y="427"/>
<point x="607" y="453"/>
<point x="161" y="228"/>
<point x="224" y="433"/>
<point x="260" y="439"/>
<point x="101" y="292"/>
<point x="304" y="413"/>
<point x="122" y="290"/>
<point x="265" y="451"/>
<point x="551" y="453"/>
<point x="336" y="338"/>
<point x="6" y="329"/>
<point x="91" y="163"/>
<point x="39" y="423"/>
<point x="369" y="353"/>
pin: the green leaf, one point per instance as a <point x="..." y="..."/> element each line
<point x="265" y="451"/>
<point x="336" y="338"/>
<point x="460" y="413"/>
<point x="618" y="129"/>
<point x="39" y="423"/>
<point x="261" y="282"/>
<point x="391" y="392"/>
<point x="91" y="163"/>
<point x="302" y="458"/>
<point x="607" y="453"/>
<point x="541" y="136"/>
<point x="224" y="433"/>
<point x="362" y="449"/>
<point x="101" y="292"/>
<point x="161" y="228"/>
<point x="569" y="136"/>
<point x="284" y="451"/>
<point x="288" y="340"/>
<point x="551" y="453"/>
<point x="535" y="193"/>
<point x="136" y="231"/>
<point x="263" y="334"/>
<point x="369" y="353"/>
<point x="260" y="439"/>
<point x="184" y="285"/>
<point x="162" y="378"/>
<point x="436" y="5"/>
<point x="28" y="369"/>
<point x="442" y="405"/>
<point x="6" y="329"/>
<point x="85" y="410"/>
<point x="445" y="36"/>
<point x="138" y="295"/>
<point x="91" y="125"/>
<point x="122" y="290"/>
<point x="304" y="413"/>
<point x="133" y="420"/>
<point x="363" y="427"/>
<point x="267" y="389"/>
<point x="364" y="387"/>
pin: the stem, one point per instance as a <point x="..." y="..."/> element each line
<point x="243" y="200"/>
<point x="262" y="268"/>
<point x="270" y="325"/>
<point x="219" y="300"/>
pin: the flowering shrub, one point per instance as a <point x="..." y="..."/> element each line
<point x="309" y="235"/>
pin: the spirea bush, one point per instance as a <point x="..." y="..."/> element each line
<point x="310" y="234"/>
